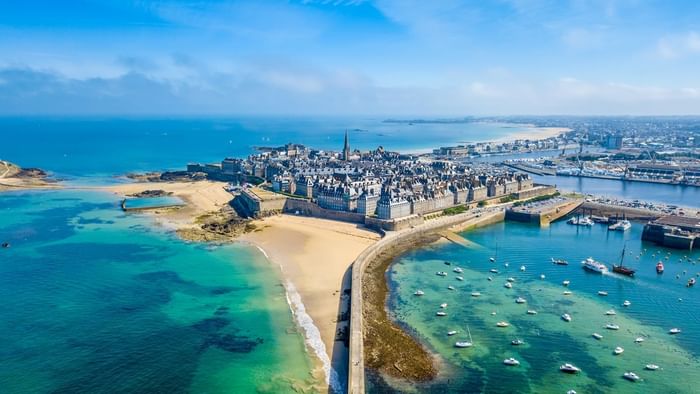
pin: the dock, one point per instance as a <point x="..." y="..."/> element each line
<point x="544" y="212"/>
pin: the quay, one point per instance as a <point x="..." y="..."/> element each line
<point x="356" y="367"/>
<point x="544" y="212"/>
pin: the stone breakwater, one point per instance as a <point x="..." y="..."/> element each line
<point x="356" y="375"/>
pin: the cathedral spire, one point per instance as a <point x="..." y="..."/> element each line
<point x="346" y="148"/>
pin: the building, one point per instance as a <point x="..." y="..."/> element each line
<point x="346" y="148"/>
<point x="613" y="141"/>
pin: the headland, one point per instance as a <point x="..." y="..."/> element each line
<point x="14" y="177"/>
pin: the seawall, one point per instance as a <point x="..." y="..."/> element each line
<point x="356" y="374"/>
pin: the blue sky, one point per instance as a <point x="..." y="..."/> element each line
<point x="353" y="57"/>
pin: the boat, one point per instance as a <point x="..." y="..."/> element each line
<point x="531" y="312"/>
<point x="565" y="283"/>
<point x="581" y="221"/>
<point x="651" y="367"/>
<point x="508" y="285"/>
<point x="448" y="263"/>
<point x="566" y="317"/>
<point x="492" y="259"/>
<point x="511" y="279"/>
<point x="622" y="225"/>
<point x="618" y="350"/>
<point x="419" y="293"/>
<point x="511" y="361"/>
<point x="542" y="276"/>
<point x="450" y="287"/>
<point x="489" y="279"/>
<point x="600" y="219"/>
<point x="463" y="344"/>
<point x="691" y="282"/>
<point x="5" y="245"/>
<point x="597" y="336"/>
<point x="476" y="294"/>
<point x="611" y="326"/>
<point x="443" y="305"/>
<point x="594" y="266"/>
<point x="559" y="261"/>
<point x="493" y="271"/>
<point x="571" y="392"/>
<point x="459" y="278"/>
<point x="522" y="268"/>
<point x="520" y="300"/>
<point x="659" y="267"/>
<point x="569" y="368"/>
<point x="517" y="342"/>
<point x="566" y="292"/>
<point x="502" y="324"/>
<point x="441" y="273"/>
<point x="458" y="270"/>
<point x="441" y="313"/>
<point x="451" y="333"/>
<point x="611" y="312"/>
<point x="626" y="303"/>
<point x="631" y="376"/>
<point x="621" y="269"/>
<point x="674" y="331"/>
<point x="505" y="265"/>
<point x="639" y="340"/>
<point x="602" y="293"/>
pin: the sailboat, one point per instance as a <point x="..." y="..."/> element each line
<point x="463" y="344"/>
<point x="621" y="269"/>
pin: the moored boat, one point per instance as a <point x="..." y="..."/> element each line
<point x="516" y="342"/>
<point x="476" y="294"/>
<point x="511" y="361"/>
<point x="508" y="285"/>
<point x="612" y="326"/>
<point x="597" y="336"/>
<point x="639" y="340"/>
<point x="651" y="367"/>
<point x="419" y="293"/>
<point x="520" y="300"/>
<point x="566" y="283"/>
<point x="602" y="293"/>
<point x="502" y="324"/>
<point x="450" y="287"/>
<point x="451" y="333"/>
<point x="691" y="282"/>
<point x="459" y="278"/>
<point x="569" y="368"/>
<point x="622" y="225"/>
<point x="441" y="313"/>
<point x="559" y="261"/>
<point x="522" y="268"/>
<point x="493" y="271"/>
<point x="463" y="344"/>
<point x="566" y="292"/>
<point x="441" y="273"/>
<point x="610" y="312"/>
<point x="674" y="331"/>
<point x="626" y="303"/>
<point x="566" y="317"/>
<point x="443" y="305"/>
<point x="531" y="312"/>
<point x="618" y="350"/>
<point x="458" y="270"/>
<point x="659" y="267"/>
<point x="5" y="245"/>
<point x="631" y="376"/>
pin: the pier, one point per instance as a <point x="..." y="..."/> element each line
<point x="544" y="212"/>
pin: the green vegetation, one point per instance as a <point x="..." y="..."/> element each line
<point x="508" y="198"/>
<point x="481" y="204"/>
<point x="455" y="210"/>
<point x="536" y="199"/>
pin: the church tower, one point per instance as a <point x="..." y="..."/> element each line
<point x="346" y="148"/>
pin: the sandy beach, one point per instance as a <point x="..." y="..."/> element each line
<point x="532" y="133"/>
<point x="12" y="177"/>
<point x="201" y="198"/>
<point x="315" y="256"/>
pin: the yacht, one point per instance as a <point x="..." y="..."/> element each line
<point x="441" y="273"/>
<point x="622" y="225"/>
<point x="441" y="313"/>
<point x="516" y="342"/>
<point x="639" y="340"/>
<point x="522" y="268"/>
<point x="531" y="312"/>
<point x="597" y="336"/>
<point x="581" y="221"/>
<point x="674" y="331"/>
<point x="559" y="261"/>
<point x="451" y="333"/>
<point x="476" y="294"/>
<point x="511" y="361"/>
<point x="651" y="367"/>
<point x="611" y="312"/>
<point x="626" y="303"/>
<point x="602" y="293"/>
<point x="565" y="283"/>
<point x="458" y="270"/>
<point x="566" y="317"/>
<point x="569" y="368"/>
<point x="618" y="350"/>
<point x="611" y="326"/>
<point x="419" y="293"/>
<point x="459" y="278"/>
<point x="659" y="267"/>
<point x="594" y="266"/>
<point x="443" y="305"/>
<point x="508" y="285"/>
<point x="502" y="324"/>
<point x="631" y="376"/>
<point x="520" y="300"/>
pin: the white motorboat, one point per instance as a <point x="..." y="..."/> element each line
<point x="618" y="350"/>
<point x="571" y="392"/>
<point x="517" y="342"/>
<point x="511" y="361"/>
<point x="626" y="303"/>
<point x="441" y="273"/>
<point x="502" y="324"/>
<point x="458" y="270"/>
<point x="611" y="312"/>
<point x="492" y="259"/>
<point x="463" y="344"/>
<point x="493" y="271"/>
<point x="622" y="225"/>
<point x="565" y="283"/>
<point x="651" y="367"/>
<point x="531" y="312"/>
<point x="597" y="336"/>
<point x="489" y="279"/>
<point x="450" y="287"/>
<point x="443" y="305"/>
<point x="459" y="278"/>
<point x="508" y="285"/>
<point x="520" y="300"/>
<point x="451" y="333"/>
<point x="602" y="293"/>
<point x="441" y="313"/>
<point x="506" y="265"/>
<point x="476" y="294"/>
<point x="581" y="221"/>
<point x="566" y="317"/>
<point x="542" y="276"/>
<point x="569" y="368"/>
<point x="631" y="376"/>
<point x="594" y="266"/>
<point x="419" y="293"/>
<point x="511" y="279"/>
<point x="567" y="292"/>
<point x="639" y="340"/>
<point x="522" y="268"/>
<point x="611" y="326"/>
<point x="674" y="331"/>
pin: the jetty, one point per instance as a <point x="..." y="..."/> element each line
<point x="543" y="212"/>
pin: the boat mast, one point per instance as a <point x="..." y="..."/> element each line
<point x="470" y="335"/>
<point x="623" y="253"/>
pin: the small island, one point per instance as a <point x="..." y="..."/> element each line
<point x="14" y="177"/>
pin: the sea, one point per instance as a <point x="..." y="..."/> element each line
<point x="95" y="300"/>
<point x="523" y="253"/>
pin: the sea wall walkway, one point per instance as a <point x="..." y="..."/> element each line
<point x="356" y="368"/>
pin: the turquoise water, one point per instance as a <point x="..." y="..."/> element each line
<point x="152" y="202"/>
<point x="94" y="300"/>
<point x="659" y="302"/>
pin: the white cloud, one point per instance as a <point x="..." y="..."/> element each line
<point x="676" y="46"/>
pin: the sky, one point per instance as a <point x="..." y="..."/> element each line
<point x="350" y="57"/>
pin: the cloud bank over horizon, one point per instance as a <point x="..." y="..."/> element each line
<point x="355" y="57"/>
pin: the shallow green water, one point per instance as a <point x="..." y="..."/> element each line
<point x="550" y="341"/>
<point x="94" y="300"/>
